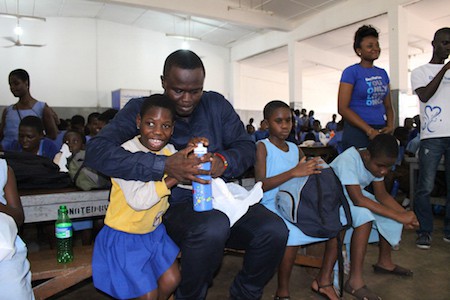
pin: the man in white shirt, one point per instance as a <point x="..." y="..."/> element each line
<point x="431" y="83"/>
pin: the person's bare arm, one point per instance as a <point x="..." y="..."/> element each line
<point x="407" y="218"/>
<point x="425" y="93"/>
<point x="387" y="102"/>
<point x="344" y="97"/>
<point x="13" y="205"/>
<point x="2" y="125"/>
<point x="303" y="168"/>
<point x="51" y="130"/>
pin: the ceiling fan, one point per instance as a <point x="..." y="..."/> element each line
<point x="16" y="41"/>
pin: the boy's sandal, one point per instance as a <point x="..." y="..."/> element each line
<point x="319" y="288"/>
<point x="396" y="271"/>
<point x="282" y="298"/>
<point x="363" y="293"/>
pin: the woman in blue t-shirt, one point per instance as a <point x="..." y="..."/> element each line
<point x="363" y="98"/>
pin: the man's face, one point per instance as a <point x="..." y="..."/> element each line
<point x="29" y="139"/>
<point x="184" y="87"/>
<point x="441" y="45"/>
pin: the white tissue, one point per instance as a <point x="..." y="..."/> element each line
<point x="233" y="199"/>
<point x="65" y="153"/>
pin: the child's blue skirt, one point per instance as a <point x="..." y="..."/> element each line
<point x="126" y="265"/>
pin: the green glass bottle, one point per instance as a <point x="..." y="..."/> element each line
<point x="63" y="232"/>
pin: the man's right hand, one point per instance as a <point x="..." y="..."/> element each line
<point x="184" y="167"/>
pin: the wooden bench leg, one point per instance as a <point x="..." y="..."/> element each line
<point x="60" y="283"/>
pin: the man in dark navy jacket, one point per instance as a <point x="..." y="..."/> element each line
<point x="200" y="236"/>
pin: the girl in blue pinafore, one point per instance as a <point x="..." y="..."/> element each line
<point x="357" y="169"/>
<point x="277" y="161"/>
<point x="134" y="257"/>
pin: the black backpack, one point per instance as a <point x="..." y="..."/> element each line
<point x="312" y="204"/>
<point x="35" y="172"/>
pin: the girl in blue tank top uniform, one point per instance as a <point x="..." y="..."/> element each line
<point x="277" y="161"/>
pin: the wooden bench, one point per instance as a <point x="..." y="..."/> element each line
<point x="42" y="206"/>
<point x="59" y="277"/>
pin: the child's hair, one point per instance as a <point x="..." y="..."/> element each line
<point x="21" y="74"/>
<point x="158" y="100"/>
<point x="107" y="115"/>
<point x="82" y="136"/>
<point x="92" y="117"/>
<point x="361" y="33"/>
<point x="77" y="120"/>
<point x="33" y="122"/>
<point x="270" y="108"/>
<point x="383" y="145"/>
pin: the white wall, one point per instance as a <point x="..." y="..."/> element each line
<point x="85" y="59"/>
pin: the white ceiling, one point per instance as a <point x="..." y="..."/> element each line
<point x="227" y="22"/>
<point x="340" y="40"/>
<point x="219" y="22"/>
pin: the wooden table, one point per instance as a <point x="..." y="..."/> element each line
<point x="327" y="153"/>
<point x="42" y="205"/>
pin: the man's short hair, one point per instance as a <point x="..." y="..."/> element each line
<point x="184" y="59"/>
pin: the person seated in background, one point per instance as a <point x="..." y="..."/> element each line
<point x="250" y="128"/>
<point x="31" y="138"/>
<point x="106" y="116"/>
<point x="19" y="83"/>
<point x="15" y="275"/>
<point x="332" y="125"/>
<point x="313" y="134"/>
<point x="413" y="143"/>
<point x="336" y="140"/>
<point x="93" y="126"/>
<point x="77" y="122"/>
<point x="408" y="123"/>
<point x="358" y="168"/>
<point x="75" y="141"/>
<point x="262" y="131"/>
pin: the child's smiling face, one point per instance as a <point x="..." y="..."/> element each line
<point x="156" y="127"/>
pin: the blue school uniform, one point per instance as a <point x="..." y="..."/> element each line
<point x="277" y="162"/>
<point x="350" y="169"/>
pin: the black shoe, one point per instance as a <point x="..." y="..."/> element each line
<point x="424" y="241"/>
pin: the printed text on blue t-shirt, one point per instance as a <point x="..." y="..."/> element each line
<point x="376" y="91"/>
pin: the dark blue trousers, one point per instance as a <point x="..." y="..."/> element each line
<point x="202" y="237"/>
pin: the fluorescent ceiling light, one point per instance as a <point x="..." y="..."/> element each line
<point x="183" y="37"/>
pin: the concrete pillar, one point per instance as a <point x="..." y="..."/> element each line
<point x="295" y="75"/>
<point x="398" y="55"/>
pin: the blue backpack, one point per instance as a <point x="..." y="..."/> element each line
<point x="312" y="203"/>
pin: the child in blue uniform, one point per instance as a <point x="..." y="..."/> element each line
<point x="357" y="169"/>
<point x="277" y="161"/>
<point x="133" y="255"/>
